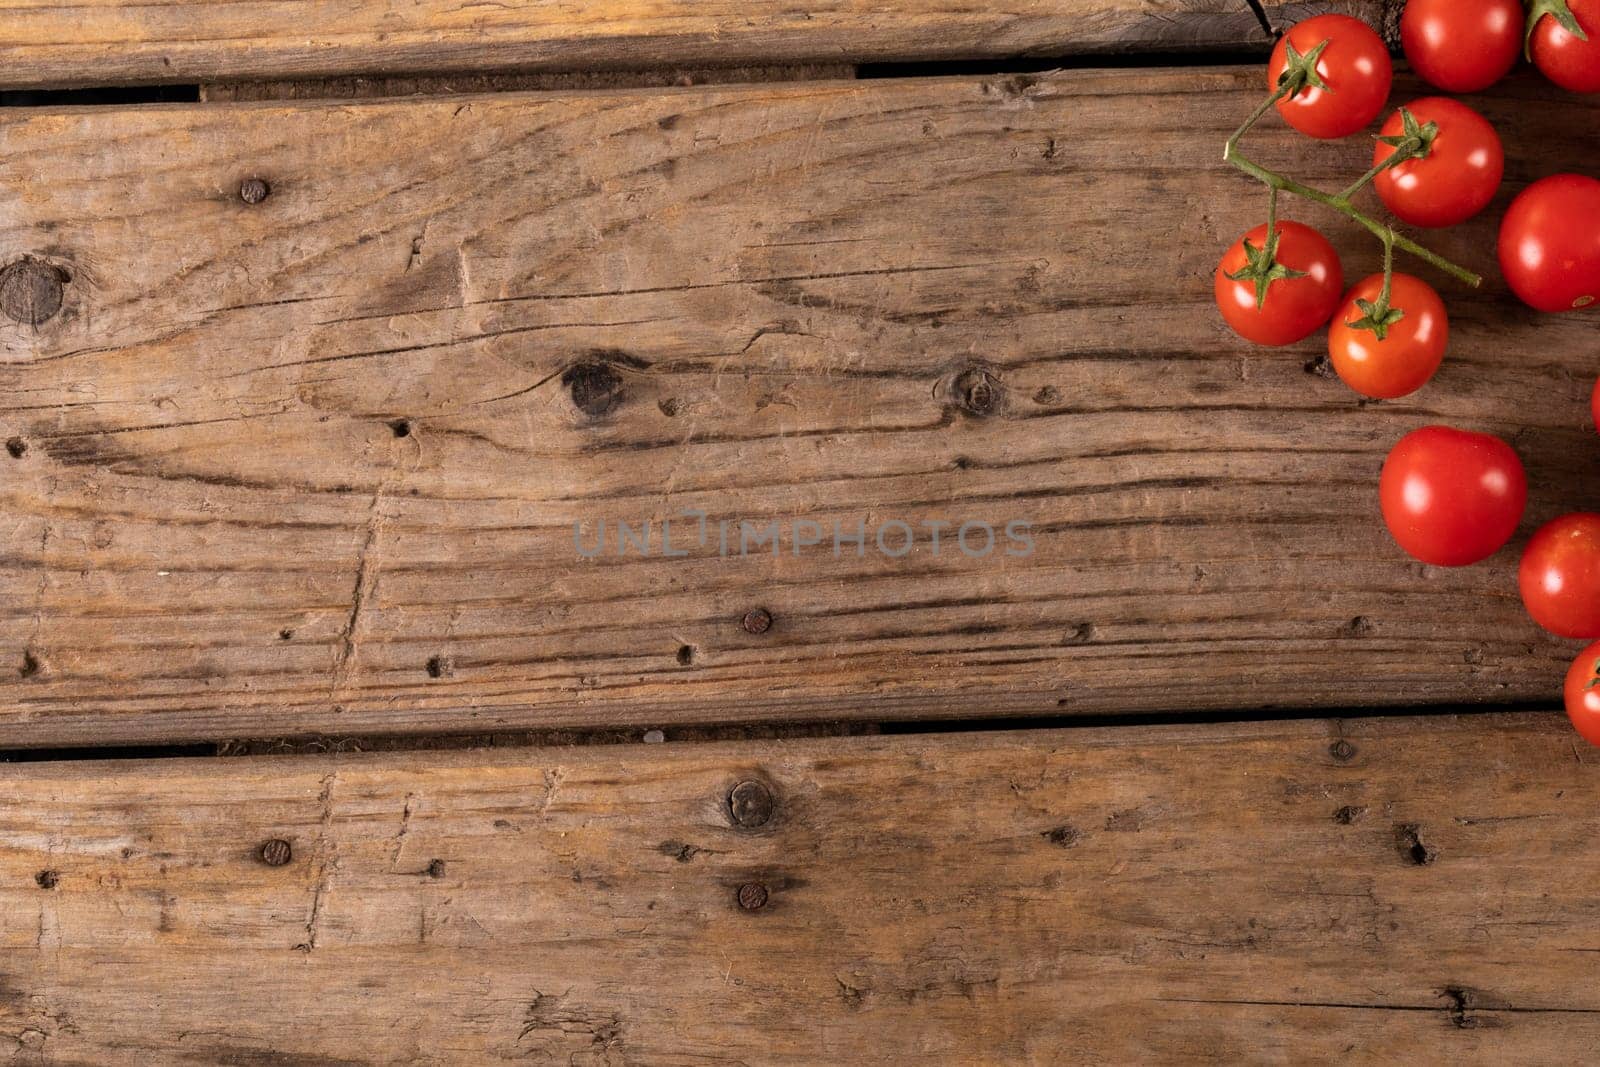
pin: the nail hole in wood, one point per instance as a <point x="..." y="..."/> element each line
<point x="977" y="392"/>
<point x="30" y="665"/>
<point x="276" y="852"/>
<point x="1082" y="634"/>
<point x="1360" y="626"/>
<point x="254" y="190"/>
<point x="1063" y="836"/>
<point x="1321" y="367"/>
<point x="436" y="868"/>
<point x="1463" y="1002"/>
<point x="401" y="427"/>
<point x="1409" y="837"/>
<point x="685" y="654"/>
<point x="17" y="447"/>
<point x="47" y="879"/>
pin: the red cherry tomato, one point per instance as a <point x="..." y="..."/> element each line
<point x="1295" y="307"/>
<point x="1355" y="67"/>
<point x="1402" y="361"/>
<point x="1562" y="55"/>
<point x="1456" y="179"/>
<point x="1462" y="46"/>
<point x="1560" y="576"/>
<point x="1583" y="693"/>
<point x="1451" y="497"/>
<point x="1550" y="243"/>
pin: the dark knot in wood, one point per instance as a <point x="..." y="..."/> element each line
<point x="31" y="291"/>
<point x="751" y="804"/>
<point x="596" y="387"/>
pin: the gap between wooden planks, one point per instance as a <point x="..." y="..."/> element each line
<point x="1361" y="891"/>
<point x="311" y="465"/>
<point x="112" y="42"/>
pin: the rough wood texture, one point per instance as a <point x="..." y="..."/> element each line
<point x="104" y="42"/>
<point x="1365" y="892"/>
<point x="1381" y="15"/>
<point x="311" y="465"/>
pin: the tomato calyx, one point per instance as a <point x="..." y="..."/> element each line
<point x="1416" y="139"/>
<point x="1377" y="316"/>
<point x="1556" y="9"/>
<point x="1262" y="267"/>
<point x="1300" y="71"/>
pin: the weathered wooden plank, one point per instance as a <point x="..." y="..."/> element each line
<point x="1364" y="892"/>
<point x="104" y="42"/>
<point x="313" y="464"/>
<point x="1381" y="15"/>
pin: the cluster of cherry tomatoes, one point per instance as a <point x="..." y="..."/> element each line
<point x="1449" y="497"/>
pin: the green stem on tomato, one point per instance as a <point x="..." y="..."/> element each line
<point x="1556" y="9"/>
<point x="1388" y="269"/>
<point x="1366" y="179"/>
<point x="1344" y="207"/>
<point x="1341" y="204"/>
<point x="1415" y="142"/>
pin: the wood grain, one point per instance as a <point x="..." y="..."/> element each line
<point x="1381" y="15"/>
<point x="105" y="42"/>
<point x="312" y="465"/>
<point x="1357" y="892"/>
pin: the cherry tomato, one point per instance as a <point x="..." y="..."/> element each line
<point x="1462" y="46"/>
<point x="1583" y="693"/>
<point x="1295" y="307"/>
<point x="1354" y="70"/>
<point x="1452" y="497"/>
<point x="1411" y="348"/>
<point x="1457" y="177"/>
<point x="1562" y="55"/>
<point x="1550" y="243"/>
<point x="1560" y="576"/>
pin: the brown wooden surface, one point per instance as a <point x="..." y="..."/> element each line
<point x="1360" y="892"/>
<point x="1381" y="15"/>
<point x="213" y="530"/>
<point x="105" y="42"/>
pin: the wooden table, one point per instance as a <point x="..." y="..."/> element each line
<point x="333" y="745"/>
